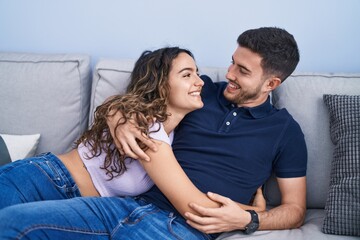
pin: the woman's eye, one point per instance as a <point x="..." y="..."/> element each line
<point x="187" y="75"/>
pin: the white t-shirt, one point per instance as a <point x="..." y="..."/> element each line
<point x="133" y="181"/>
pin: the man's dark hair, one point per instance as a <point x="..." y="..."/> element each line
<point x="277" y="47"/>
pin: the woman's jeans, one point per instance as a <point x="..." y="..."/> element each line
<point x="39" y="178"/>
<point x="51" y="208"/>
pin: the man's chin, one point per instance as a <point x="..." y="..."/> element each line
<point x="229" y="96"/>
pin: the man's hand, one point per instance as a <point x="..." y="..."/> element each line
<point x="126" y="135"/>
<point x="230" y="216"/>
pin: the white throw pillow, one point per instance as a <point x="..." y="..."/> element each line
<point x="21" y="146"/>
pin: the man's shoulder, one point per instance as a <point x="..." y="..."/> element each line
<point x="291" y="123"/>
<point x="208" y="81"/>
<point x="211" y="88"/>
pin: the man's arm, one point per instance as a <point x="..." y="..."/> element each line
<point x="289" y="214"/>
<point x="125" y="137"/>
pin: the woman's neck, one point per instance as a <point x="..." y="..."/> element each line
<point x="172" y="121"/>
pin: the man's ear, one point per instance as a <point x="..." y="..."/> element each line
<point x="273" y="83"/>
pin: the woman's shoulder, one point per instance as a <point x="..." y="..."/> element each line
<point x="157" y="132"/>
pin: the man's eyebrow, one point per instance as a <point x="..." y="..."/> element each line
<point x="241" y="66"/>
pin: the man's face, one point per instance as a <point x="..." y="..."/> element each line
<point x="246" y="81"/>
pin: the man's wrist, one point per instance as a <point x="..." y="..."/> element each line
<point x="253" y="225"/>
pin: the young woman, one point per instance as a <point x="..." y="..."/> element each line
<point x="164" y="87"/>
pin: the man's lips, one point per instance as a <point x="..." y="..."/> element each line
<point x="233" y="86"/>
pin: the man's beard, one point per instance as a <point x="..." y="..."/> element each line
<point x="244" y="96"/>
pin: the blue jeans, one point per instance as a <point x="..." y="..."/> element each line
<point x="39" y="178"/>
<point x="51" y="208"/>
<point x="93" y="218"/>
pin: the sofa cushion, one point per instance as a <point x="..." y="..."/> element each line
<point x="17" y="146"/>
<point x="302" y="96"/>
<point x="342" y="210"/>
<point x="311" y="229"/>
<point x="47" y="94"/>
<point x="110" y="77"/>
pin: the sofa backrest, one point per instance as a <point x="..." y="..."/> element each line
<point x="302" y="96"/>
<point x="52" y="94"/>
<point x="110" y="77"/>
<point x="47" y="94"/>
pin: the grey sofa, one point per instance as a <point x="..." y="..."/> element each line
<point x="54" y="95"/>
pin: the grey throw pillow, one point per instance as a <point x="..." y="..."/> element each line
<point x="342" y="209"/>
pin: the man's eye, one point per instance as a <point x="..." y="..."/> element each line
<point x="243" y="71"/>
<point x="187" y="75"/>
<point x="232" y="62"/>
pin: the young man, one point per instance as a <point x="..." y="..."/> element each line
<point x="238" y="138"/>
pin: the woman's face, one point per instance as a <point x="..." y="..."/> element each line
<point x="185" y="85"/>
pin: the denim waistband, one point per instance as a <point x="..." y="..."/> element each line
<point x="63" y="171"/>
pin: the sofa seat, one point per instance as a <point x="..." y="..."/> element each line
<point x="310" y="230"/>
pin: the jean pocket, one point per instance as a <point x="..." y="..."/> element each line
<point x="51" y="172"/>
<point x="179" y="229"/>
<point x="140" y="213"/>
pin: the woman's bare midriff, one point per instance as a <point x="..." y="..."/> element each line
<point x="81" y="176"/>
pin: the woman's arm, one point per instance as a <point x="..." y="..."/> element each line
<point x="163" y="168"/>
<point x="169" y="177"/>
<point x="167" y="174"/>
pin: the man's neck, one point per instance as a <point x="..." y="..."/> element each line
<point x="255" y="102"/>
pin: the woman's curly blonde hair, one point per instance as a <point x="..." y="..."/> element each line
<point x="145" y="99"/>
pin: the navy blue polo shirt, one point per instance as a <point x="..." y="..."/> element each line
<point x="233" y="150"/>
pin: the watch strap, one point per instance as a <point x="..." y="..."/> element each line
<point x="254" y="223"/>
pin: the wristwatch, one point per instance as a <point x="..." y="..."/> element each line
<point x="254" y="223"/>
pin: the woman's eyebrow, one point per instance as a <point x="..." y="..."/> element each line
<point x="187" y="69"/>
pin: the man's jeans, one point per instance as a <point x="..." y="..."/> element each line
<point x="69" y="216"/>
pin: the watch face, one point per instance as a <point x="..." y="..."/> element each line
<point x="251" y="227"/>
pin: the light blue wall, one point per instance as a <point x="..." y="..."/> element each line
<point x="327" y="31"/>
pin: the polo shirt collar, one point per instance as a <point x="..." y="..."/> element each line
<point x="260" y="111"/>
